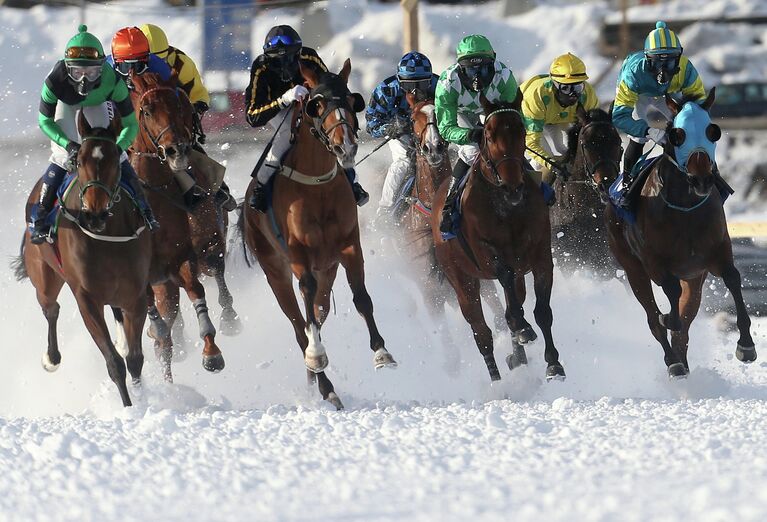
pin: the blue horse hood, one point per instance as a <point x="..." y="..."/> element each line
<point x="694" y="120"/>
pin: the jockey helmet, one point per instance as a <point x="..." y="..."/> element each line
<point x="474" y="45"/>
<point x="414" y="75"/>
<point x="130" y="51"/>
<point x="568" y="74"/>
<point x="476" y="62"/>
<point x="158" y="42"/>
<point x="662" y="50"/>
<point x="84" y="57"/>
<point x="282" y="46"/>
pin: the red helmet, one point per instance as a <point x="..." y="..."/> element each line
<point x="130" y="44"/>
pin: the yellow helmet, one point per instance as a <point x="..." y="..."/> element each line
<point x="568" y="68"/>
<point x="158" y="42"/>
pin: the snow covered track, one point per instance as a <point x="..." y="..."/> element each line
<point x="608" y="459"/>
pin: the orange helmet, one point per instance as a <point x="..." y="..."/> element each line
<point x="130" y="44"/>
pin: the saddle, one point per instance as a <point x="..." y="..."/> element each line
<point x="623" y="200"/>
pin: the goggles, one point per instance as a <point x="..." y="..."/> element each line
<point x="473" y="67"/>
<point x="280" y="39"/>
<point x="422" y="85"/>
<point x="570" y="89"/>
<point x="89" y="72"/>
<point x="83" y="53"/>
<point x="138" y="67"/>
<point x="666" y="62"/>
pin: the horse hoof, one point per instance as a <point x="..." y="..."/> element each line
<point x="213" y="363"/>
<point x="49" y="365"/>
<point x="335" y="401"/>
<point x="746" y="354"/>
<point x="383" y="359"/>
<point x="517" y="358"/>
<point x="525" y="335"/>
<point x="555" y="372"/>
<point x="316" y="363"/>
<point x="677" y="371"/>
<point x="230" y="324"/>
<point x="668" y="324"/>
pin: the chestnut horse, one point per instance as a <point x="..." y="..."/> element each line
<point x="314" y="209"/>
<point x="504" y="233"/>
<point x="102" y="252"/>
<point x="183" y="242"/>
<point x="593" y="162"/>
<point x="680" y="236"/>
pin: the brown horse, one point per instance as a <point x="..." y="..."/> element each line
<point x="183" y="242"/>
<point x="592" y="160"/>
<point x="680" y="236"/>
<point x="314" y="209"/>
<point x="102" y="252"/>
<point x="504" y="234"/>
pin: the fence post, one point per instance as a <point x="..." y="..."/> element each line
<point x="410" y="27"/>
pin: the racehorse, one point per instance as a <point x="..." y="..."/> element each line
<point x="432" y="167"/>
<point x="314" y="210"/>
<point x="680" y="235"/>
<point x="102" y="252"/>
<point x="592" y="161"/>
<point x="504" y="233"/>
<point x="183" y="242"/>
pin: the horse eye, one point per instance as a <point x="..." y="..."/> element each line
<point x="713" y="132"/>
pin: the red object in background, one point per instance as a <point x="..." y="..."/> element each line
<point x="226" y="113"/>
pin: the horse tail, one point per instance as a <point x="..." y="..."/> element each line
<point x="17" y="263"/>
<point x="239" y="233"/>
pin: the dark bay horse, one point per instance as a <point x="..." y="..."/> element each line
<point x="504" y="233"/>
<point x="314" y="208"/>
<point x="593" y="157"/>
<point x="183" y="242"/>
<point x="102" y="252"/>
<point x="680" y="236"/>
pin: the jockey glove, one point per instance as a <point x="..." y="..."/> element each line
<point x="475" y="135"/>
<point x="295" y="93"/>
<point x="73" y="148"/>
<point x="657" y="135"/>
<point x="200" y="107"/>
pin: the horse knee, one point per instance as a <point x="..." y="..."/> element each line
<point x="51" y="312"/>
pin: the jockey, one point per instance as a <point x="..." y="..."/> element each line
<point x="82" y="81"/>
<point x="275" y="83"/>
<point x="645" y="77"/>
<point x="131" y="56"/>
<point x="388" y="115"/>
<point x="549" y="105"/>
<point x="458" y="107"/>
<point x="190" y="82"/>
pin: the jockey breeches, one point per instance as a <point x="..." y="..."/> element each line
<point x="643" y="107"/>
<point x="554" y="141"/>
<point x="280" y="146"/>
<point x="66" y="118"/>
<point x="401" y="162"/>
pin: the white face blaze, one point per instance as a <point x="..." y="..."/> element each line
<point x="432" y="136"/>
<point x="349" y="148"/>
<point x="97" y="153"/>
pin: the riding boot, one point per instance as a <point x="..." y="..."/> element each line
<point x="459" y="171"/>
<point x="630" y="158"/>
<point x="52" y="179"/>
<point x="130" y="178"/>
<point x="258" y="200"/>
<point x="192" y="193"/>
<point x="224" y="198"/>
<point x="360" y="194"/>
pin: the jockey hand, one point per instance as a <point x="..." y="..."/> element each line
<point x="73" y="148"/>
<point x="391" y="130"/>
<point x="296" y="93"/>
<point x="475" y="135"/>
<point x="200" y="107"/>
<point x="657" y="135"/>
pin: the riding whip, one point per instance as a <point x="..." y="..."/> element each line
<point x="384" y="142"/>
<point x="551" y="162"/>
<point x="268" y="147"/>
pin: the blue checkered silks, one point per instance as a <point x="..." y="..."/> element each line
<point x="413" y="66"/>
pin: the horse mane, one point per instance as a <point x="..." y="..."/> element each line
<point x="593" y="116"/>
<point x="150" y="80"/>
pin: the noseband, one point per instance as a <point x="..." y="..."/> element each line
<point x="155" y="140"/>
<point x="485" y="153"/>
<point x="112" y="192"/>
<point x="335" y="103"/>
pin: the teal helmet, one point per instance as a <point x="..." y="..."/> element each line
<point x="84" y="59"/>
<point x="662" y="50"/>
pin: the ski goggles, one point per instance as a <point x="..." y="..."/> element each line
<point x="80" y="72"/>
<point x="663" y="62"/>
<point x="570" y="89"/>
<point x="422" y="85"/>
<point x="83" y="53"/>
<point x="473" y="67"/>
<point x="138" y="67"/>
<point x="280" y="39"/>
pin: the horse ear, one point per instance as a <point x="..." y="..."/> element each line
<point x="309" y="75"/>
<point x="672" y="105"/>
<point x="83" y="127"/>
<point x="357" y="102"/>
<point x="346" y="70"/>
<point x="410" y="97"/>
<point x="517" y="103"/>
<point x="610" y="110"/>
<point x="676" y="136"/>
<point x="581" y="114"/>
<point x="709" y="99"/>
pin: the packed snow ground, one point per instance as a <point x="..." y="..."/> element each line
<point x="431" y="440"/>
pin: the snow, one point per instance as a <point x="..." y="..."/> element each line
<point x="429" y="440"/>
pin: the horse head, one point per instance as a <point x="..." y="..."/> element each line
<point x="503" y="146"/>
<point x="594" y="148"/>
<point x="692" y="141"/>
<point x="165" y="119"/>
<point x="332" y="109"/>
<point x="428" y="142"/>
<point x="98" y="172"/>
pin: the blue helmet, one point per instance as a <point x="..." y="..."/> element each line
<point x="414" y="66"/>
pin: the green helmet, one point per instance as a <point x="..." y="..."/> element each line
<point x="84" y="48"/>
<point x="474" y="45"/>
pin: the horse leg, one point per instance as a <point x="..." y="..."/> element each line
<point x="746" y="350"/>
<point x="351" y="259"/>
<point x="121" y="343"/>
<point x="93" y="316"/>
<point x="543" y="280"/>
<point x="162" y="314"/>
<point x="48" y="289"/>
<point x="230" y="321"/>
<point x="689" y="303"/>
<point x="212" y="359"/>
<point x="673" y="290"/>
<point x="133" y="322"/>
<point x="490" y="296"/>
<point x="515" y="292"/>
<point x="325" y="281"/>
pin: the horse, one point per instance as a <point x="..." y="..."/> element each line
<point x="432" y="167"/>
<point x="102" y="252"/>
<point x="592" y="160"/>
<point x="504" y="233"/>
<point x="183" y="242"/>
<point x="680" y="236"/>
<point x="313" y="207"/>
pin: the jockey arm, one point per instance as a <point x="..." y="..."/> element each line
<point x="381" y="110"/>
<point x="534" y="116"/>
<point x="446" y="109"/>
<point x="189" y="79"/>
<point x="691" y="84"/>
<point x="122" y="102"/>
<point x="45" y="118"/>
<point x="625" y="101"/>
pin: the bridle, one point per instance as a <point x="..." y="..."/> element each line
<point x="160" y="152"/>
<point x="334" y="103"/>
<point x="112" y="192"/>
<point x="590" y="168"/>
<point x="485" y="153"/>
